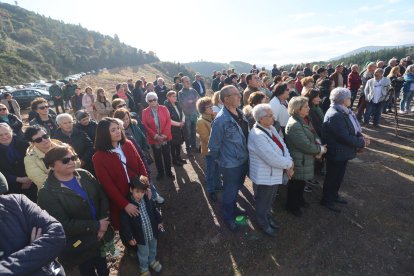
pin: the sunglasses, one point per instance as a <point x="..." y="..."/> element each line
<point x="121" y="105"/>
<point x="153" y="100"/>
<point x="43" y="107"/>
<point x="40" y="139"/>
<point x="3" y="109"/>
<point x="66" y="160"/>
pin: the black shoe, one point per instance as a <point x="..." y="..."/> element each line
<point x="212" y="196"/>
<point x="159" y="176"/>
<point x="269" y="231"/>
<point x="170" y="175"/>
<point x="240" y="212"/>
<point x="297" y="213"/>
<point x="341" y="200"/>
<point x="273" y="223"/>
<point x="233" y="227"/>
<point x="331" y="207"/>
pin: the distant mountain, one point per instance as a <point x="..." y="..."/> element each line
<point x="206" y="68"/>
<point x="33" y="46"/>
<point x="368" y="49"/>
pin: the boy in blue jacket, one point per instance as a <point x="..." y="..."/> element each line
<point x="143" y="229"/>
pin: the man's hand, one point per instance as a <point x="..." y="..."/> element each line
<point x="36" y="233"/>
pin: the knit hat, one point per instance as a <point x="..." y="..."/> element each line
<point x="80" y="114"/>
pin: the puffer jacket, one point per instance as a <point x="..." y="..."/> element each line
<point x="19" y="256"/>
<point x="301" y="142"/>
<point x="267" y="160"/>
<point x="35" y="167"/>
<point x="369" y="90"/>
<point x="70" y="209"/>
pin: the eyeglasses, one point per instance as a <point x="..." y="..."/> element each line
<point x="66" y="160"/>
<point x="40" y="139"/>
<point x="121" y="106"/>
<point x="43" y="107"/>
<point x="153" y="100"/>
<point x="3" y="109"/>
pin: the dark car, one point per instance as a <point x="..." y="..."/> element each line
<point x="25" y="96"/>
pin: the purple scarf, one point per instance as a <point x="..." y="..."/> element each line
<point x="351" y="116"/>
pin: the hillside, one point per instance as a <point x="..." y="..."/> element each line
<point x="368" y="49"/>
<point x="206" y="67"/>
<point x="33" y="46"/>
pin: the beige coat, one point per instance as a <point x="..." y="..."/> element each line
<point x="203" y="128"/>
<point x="35" y="167"/>
<point x="102" y="111"/>
<point x="15" y="105"/>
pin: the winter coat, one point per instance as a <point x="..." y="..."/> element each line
<point x="90" y="129"/>
<point x="354" y="81"/>
<point x="370" y="90"/>
<point x="76" y="102"/>
<point x="267" y="160"/>
<point x="15" y="106"/>
<point x="131" y="227"/>
<point x="35" y="166"/>
<point x="131" y="103"/>
<point x="138" y="135"/>
<point x="103" y="110"/>
<point x="316" y="116"/>
<point x="338" y="133"/>
<point x="69" y="91"/>
<point x="203" y="128"/>
<point x="151" y="128"/>
<point x="408" y="80"/>
<point x="82" y="145"/>
<point x="88" y="102"/>
<point x="50" y="128"/>
<point x="111" y="174"/>
<point x="15" y="123"/>
<point x="70" y="209"/>
<point x="13" y="168"/>
<point x="19" y="256"/>
<point x="301" y="142"/>
<point x="176" y="132"/>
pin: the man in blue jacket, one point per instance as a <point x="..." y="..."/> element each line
<point x="228" y="147"/>
<point x="30" y="238"/>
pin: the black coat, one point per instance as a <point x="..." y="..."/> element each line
<point x="21" y="257"/>
<point x="139" y="99"/>
<point x="161" y="93"/>
<point x="176" y="132"/>
<point x="131" y="227"/>
<point x="131" y="102"/>
<point x="81" y="143"/>
<point x="90" y="129"/>
<point x="196" y="86"/>
<point x="50" y="128"/>
<point x="15" y="123"/>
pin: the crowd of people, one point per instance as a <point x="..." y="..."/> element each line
<point x="89" y="164"/>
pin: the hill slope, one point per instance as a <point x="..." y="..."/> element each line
<point x="369" y="49"/>
<point x="33" y="46"/>
<point x="206" y="68"/>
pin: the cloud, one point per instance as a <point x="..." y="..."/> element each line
<point x="300" y="16"/>
<point x="393" y="1"/>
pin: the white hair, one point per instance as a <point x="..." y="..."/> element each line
<point x="6" y="126"/>
<point x="260" y="110"/>
<point x="339" y="95"/>
<point x="150" y="96"/>
<point x="62" y="116"/>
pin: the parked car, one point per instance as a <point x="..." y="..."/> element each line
<point x="25" y="96"/>
<point x="42" y="86"/>
<point x="6" y="88"/>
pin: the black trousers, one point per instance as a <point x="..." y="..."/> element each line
<point x="162" y="153"/>
<point x="59" y="102"/>
<point x="96" y="263"/>
<point x="295" y="194"/>
<point x="265" y="195"/>
<point x="335" y="172"/>
<point x="175" y="152"/>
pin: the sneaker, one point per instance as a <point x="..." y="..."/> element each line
<point x="159" y="199"/>
<point x="402" y="112"/>
<point x="156" y="266"/>
<point x="308" y="189"/>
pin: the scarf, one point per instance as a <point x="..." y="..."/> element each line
<point x="122" y="94"/>
<point x="351" y="116"/>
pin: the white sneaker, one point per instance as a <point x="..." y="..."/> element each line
<point x="402" y="112"/>
<point x="160" y="199"/>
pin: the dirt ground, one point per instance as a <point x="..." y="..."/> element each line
<point x="372" y="236"/>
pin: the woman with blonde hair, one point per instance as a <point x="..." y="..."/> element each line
<point x="88" y="102"/>
<point x="102" y="105"/>
<point x="217" y="104"/>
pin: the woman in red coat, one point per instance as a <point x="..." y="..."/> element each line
<point x="116" y="162"/>
<point x="157" y="121"/>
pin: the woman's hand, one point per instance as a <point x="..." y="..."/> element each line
<point x="366" y="141"/>
<point x="290" y="173"/>
<point x="131" y="210"/>
<point x="132" y="242"/>
<point x="100" y="235"/>
<point x="23" y="180"/>
<point x="103" y="224"/>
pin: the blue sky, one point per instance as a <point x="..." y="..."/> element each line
<point x="262" y="32"/>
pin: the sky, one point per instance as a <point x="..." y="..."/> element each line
<point x="260" y="31"/>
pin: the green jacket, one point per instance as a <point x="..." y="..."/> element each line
<point x="73" y="211"/>
<point x="302" y="147"/>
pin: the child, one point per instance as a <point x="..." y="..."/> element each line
<point x="203" y="128"/>
<point x="142" y="230"/>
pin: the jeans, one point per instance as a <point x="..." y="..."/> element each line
<point x="265" y="195"/>
<point x="162" y="152"/>
<point x="212" y="174"/>
<point x="335" y="172"/>
<point x="233" y="180"/>
<point x="374" y="109"/>
<point x="190" y="131"/>
<point x="405" y="104"/>
<point x="146" y="254"/>
<point x="96" y="263"/>
<point x="354" y="93"/>
<point x="154" y="191"/>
